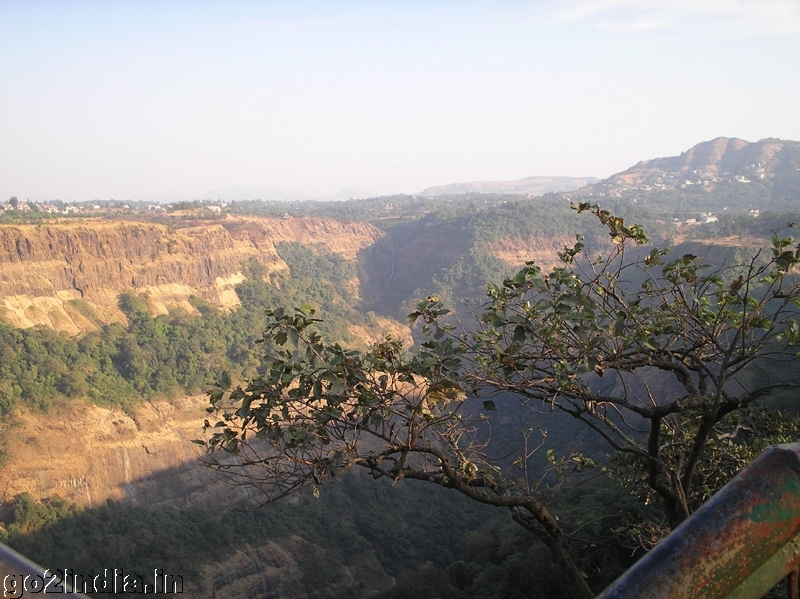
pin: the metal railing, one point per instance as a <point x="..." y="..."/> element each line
<point x="738" y="545"/>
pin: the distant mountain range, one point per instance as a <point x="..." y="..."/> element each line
<point x="723" y="172"/>
<point x="535" y="186"/>
<point x="771" y="165"/>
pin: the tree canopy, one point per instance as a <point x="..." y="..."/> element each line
<point x="662" y="358"/>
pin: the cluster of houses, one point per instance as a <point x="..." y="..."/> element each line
<point x="704" y="218"/>
<point x="698" y="177"/>
<point x="54" y="207"/>
<point x="663" y="180"/>
<point x="87" y="209"/>
<point x="708" y="217"/>
<point x="50" y="208"/>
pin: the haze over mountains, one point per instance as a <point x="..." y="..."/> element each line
<point x="535" y="186"/>
<point x="706" y="164"/>
<point x="237" y="193"/>
<point x="529" y="186"/>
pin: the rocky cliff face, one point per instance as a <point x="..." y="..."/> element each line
<point x="69" y="276"/>
<point x="87" y="454"/>
<point x="543" y="250"/>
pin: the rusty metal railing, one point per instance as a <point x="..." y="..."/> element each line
<point x="20" y="577"/>
<point x="739" y="545"/>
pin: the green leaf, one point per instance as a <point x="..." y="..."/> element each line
<point x="581" y="333"/>
<point x="336" y="385"/>
<point x="225" y="380"/>
<point x="619" y="325"/>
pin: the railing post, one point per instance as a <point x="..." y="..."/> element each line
<point x="791" y="585"/>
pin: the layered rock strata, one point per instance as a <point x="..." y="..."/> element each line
<point x="70" y="276"/>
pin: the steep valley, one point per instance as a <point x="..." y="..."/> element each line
<point x="70" y="276"/>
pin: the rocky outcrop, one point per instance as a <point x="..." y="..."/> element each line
<point x="69" y="276"/>
<point x="544" y="251"/>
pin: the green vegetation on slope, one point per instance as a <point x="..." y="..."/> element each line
<point x="174" y="353"/>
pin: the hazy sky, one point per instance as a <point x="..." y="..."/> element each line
<point x="137" y="99"/>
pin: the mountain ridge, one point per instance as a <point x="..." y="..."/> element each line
<point x="536" y="185"/>
<point x="722" y="173"/>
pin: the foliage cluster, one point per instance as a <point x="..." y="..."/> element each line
<point x="501" y="561"/>
<point x="115" y="366"/>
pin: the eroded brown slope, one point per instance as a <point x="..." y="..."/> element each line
<point x="87" y="454"/>
<point x="543" y="250"/>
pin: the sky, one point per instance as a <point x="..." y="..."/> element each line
<point x="164" y="100"/>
